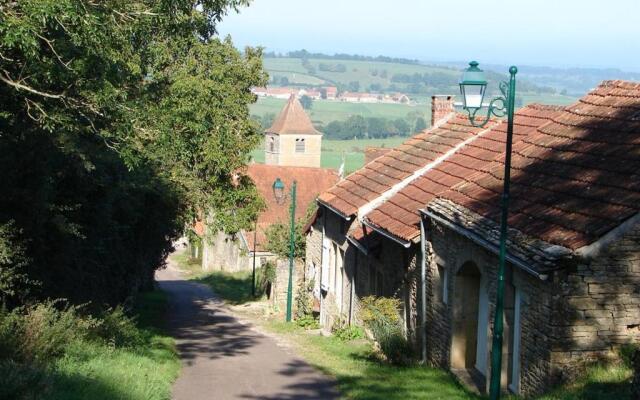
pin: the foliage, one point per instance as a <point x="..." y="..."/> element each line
<point x="304" y="315"/>
<point x="279" y="236"/>
<point x="266" y="278"/>
<point x="358" y="127"/>
<point x="348" y="332"/>
<point x="381" y="316"/>
<point x="119" y="120"/>
<point x="420" y="125"/>
<point x="307" y="102"/>
<point x="308" y="322"/>
<point x="52" y="350"/>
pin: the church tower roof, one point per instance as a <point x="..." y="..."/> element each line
<point x="293" y="120"/>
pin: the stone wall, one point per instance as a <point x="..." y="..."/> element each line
<point x="449" y="251"/>
<point x="279" y="289"/>
<point x="598" y="305"/>
<point x="224" y="252"/>
<point x="287" y="154"/>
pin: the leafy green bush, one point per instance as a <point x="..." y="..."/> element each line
<point x="47" y="331"/>
<point x="118" y="329"/>
<point x="381" y="316"/>
<point x="349" y="332"/>
<point x="308" y="322"/>
<point x="265" y="278"/>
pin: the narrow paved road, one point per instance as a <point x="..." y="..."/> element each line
<point x="225" y="359"/>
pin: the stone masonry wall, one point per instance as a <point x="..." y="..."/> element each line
<point x="598" y="305"/>
<point x="450" y="250"/>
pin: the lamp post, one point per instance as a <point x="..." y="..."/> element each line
<point x="253" y="274"/>
<point x="473" y="87"/>
<point x="280" y="196"/>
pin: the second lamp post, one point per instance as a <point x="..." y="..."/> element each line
<point x="473" y="87"/>
<point x="280" y="196"/>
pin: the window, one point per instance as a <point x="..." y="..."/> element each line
<point x="338" y="275"/>
<point x="299" y="145"/>
<point x="443" y="275"/>
<point x="272" y="144"/>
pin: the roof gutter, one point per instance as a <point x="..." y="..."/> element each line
<point x="484" y="243"/>
<point x="386" y="234"/>
<point x="335" y="210"/>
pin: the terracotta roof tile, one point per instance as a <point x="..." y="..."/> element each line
<point x="574" y="178"/>
<point x="293" y="120"/>
<point x="384" y="172"/>
<point x="310" y="182"/>
<point x="475" y="157"/>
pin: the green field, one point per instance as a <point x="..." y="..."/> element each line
<point x="325" y="111"/>
<point x="333" y="151"/>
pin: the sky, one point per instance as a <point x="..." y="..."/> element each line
<point x="556" y="33"/>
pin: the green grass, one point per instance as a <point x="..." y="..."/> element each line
<point x="612" y="382"/>
<point x="325" y="111"/>
<point x="233" y="287"/>
<point x="332" y="151"/>
<point x="99" y="371"/>
<point x="361" y="376"/>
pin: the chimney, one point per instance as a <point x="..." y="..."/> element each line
<point x="441" y="109"/>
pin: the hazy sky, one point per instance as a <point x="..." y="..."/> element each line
<point x="586" y="33"/>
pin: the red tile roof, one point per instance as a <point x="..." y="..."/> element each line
<point x="293" y="120"/>
<point x="310" y="182"/>
<point x="380" y="175"/>
<point x="399" y="215"/>
<point x="575" y="178"/>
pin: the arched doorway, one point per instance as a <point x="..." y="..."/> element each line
<point x="469" y="333"/>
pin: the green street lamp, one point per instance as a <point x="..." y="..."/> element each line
<point x="473" y="87"/>
<point x="280" y="196"/>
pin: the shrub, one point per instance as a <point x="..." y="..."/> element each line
<point x="349" y="332"/>
<point x="308" y="322"/>
<point x="118" y="329"/>
<point x="265" y="277"/>
<point x="47" y="331"/>
<point x="381" y="316"/>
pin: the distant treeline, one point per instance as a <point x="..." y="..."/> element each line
<point x="359" y="127"/>
<point x="338" y="56"/>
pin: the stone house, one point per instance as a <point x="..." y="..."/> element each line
<point x="421" y="223"/>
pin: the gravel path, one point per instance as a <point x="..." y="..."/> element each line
<point x="224" y="358"/>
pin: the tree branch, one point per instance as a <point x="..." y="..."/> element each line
<point x="20" y="86"/>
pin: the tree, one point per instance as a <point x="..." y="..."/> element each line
<point x="420" y="125"/>
<point x="119" y="120"/>
<point x="279" y="236"/>
<point x="323" y="93"/>
<point x="402" y="126"/>
<point x="306" y="101"/>
<point x="353" y="86"/>
<point x="284" y="81"/>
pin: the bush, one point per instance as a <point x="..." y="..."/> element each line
<point x="381" y="316"/>
<point x="308" y="322"/>
<point x="265" y="277"/>
<point x="118" y="329"/>
<point x="47" y="331"/>
<point x="349" y="332"/>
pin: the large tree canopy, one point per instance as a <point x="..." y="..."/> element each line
<point x="118" y="120"/>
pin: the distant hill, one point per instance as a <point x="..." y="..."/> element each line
<point x="388" y="75"/>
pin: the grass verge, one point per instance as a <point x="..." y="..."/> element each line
<point x="361" y="375"/>
<point x="101" y="369"/>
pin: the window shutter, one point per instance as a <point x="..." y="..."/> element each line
<point x="324" y="278"/>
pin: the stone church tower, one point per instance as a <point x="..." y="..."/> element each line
<point x="292" y="140"/>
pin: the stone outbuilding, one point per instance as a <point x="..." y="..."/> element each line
<point x="421" y="223"/>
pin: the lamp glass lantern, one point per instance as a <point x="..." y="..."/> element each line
<point x="278" y="191"/>
<point x="473" y="86"/>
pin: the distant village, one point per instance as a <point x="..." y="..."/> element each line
<point x="331" y="93"/>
